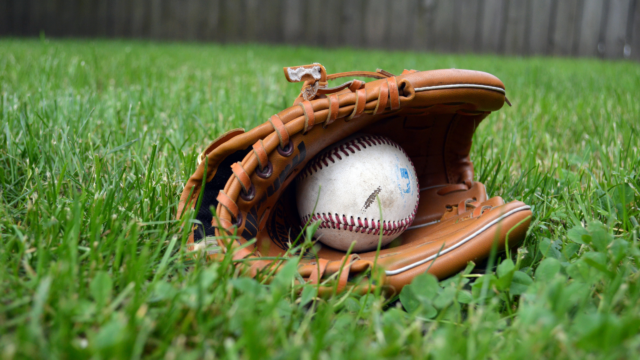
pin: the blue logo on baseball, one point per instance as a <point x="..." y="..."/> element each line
<point x="404" y="174"/>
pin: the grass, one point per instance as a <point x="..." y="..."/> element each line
<point x="99" y="137"/>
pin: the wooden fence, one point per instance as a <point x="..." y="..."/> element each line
<point x="598" y="28"/>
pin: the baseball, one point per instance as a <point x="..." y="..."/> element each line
<point x="349" y="177"/>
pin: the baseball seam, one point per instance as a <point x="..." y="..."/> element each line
<point x="351" y="146"/>
<point x="349" y="222"/>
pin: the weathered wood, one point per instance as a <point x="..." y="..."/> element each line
<point x="590" y="27"/>
<point x="211" y="26"/>
<point x="564" y="30"/>
<point x="615" y="38"/>
<point x="468" y="25"/>
<point x="493" y="23"/>
<point x="193" y="19"/>
<point x="19" y="17"/>
<point x="400" y="31"/>
<point x="635" y="33"/>
<point x="376" y="22"/>
<point x="353" y="23"/>
<point x="139" y="18"/>
<point x="122" y="18"/>
<point x="156" y="21"/>
<point x="313" y="22"/>
<point x="272" y="21"/>
<point x="293" y="26"/>
<point x="232" y="21"/>
<point x="331" y="22"/>
<point x="559" y="27"/>
<point x="516" y="27"/>
<point x="5" y="18"/>
<point x="252" y="20"/>
<point x="538" y="32"/>
<point x="424" y="18"/>
<point x="444" y="26"/>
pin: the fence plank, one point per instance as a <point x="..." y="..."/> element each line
<point x="272" y="21"/>
<point x="400" y="30"/>
<point x="591" y="23"/>
<point x="353" y="23"/>
<point x="423" y="37"/>
<point x="252" y="18"/>
<point x="444" y="26"/>
<point x="122" y="18"/>
<point x="312" y="22"/>
<point x="564" y="31"/>
<point x="615" y="37"/>
<point x="332" y="22"/>
<point x="155" y="19"/>
<point x="515" y="27"/>
<point x="293" y="26"/>
<point x="493" y="26"/>
<point x="468" y="26"/>
<point x="211" y="26"/>
<point x="539" y="27"/>
<point x="232" y="21"/>
<point x="376" y="22"/>
<point x="635" y="33"/>
<point x="19" y="16"/>
<point x="193" y="19"/>
<point x="139" y="18"/>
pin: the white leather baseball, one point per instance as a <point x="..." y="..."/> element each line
<point x="349" y="176"/>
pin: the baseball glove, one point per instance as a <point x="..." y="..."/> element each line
<point x="241" y="189"/>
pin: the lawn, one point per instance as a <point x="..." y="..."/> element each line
<point x="98" y="138"/>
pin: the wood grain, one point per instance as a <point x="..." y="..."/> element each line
<point x="493" y="23"/>
<point x="635" y="33"/>
<point x="607" y="28"/>
<point x="468" y="26"/>
<point x="376" y="22"/>
<point x="444" y="26"/>
<point x="516" y="27"/>
<point x="539" y="25"/>
<point x="565" y="25"/>
<point x="615" y="35"/>
<point x="590" y="27"/>
<point x="352" y="23"/>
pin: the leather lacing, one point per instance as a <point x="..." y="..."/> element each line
<point x="325" y="111"/>
<point x="464" y="205"/>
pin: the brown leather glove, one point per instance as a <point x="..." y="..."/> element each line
<point x="431" y="114"/>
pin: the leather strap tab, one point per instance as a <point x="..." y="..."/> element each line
<point x="361" y="101"/>
<point x="356" y="85"/>
<point x="318" y="271"/>
<point x="383" y="98"/>
<point x="344" y="276"/>
<point x="241" y="174"/>
<point x="368" y="74"/>
<point x="352" y="85"/>
<point x="394" y="95"/>
<point x="280" y="129"/>
<point x="227" y="203"/>
<point x="261" y="154"/>
<point x="309" y="115"/>
<point x="334" y="108"/>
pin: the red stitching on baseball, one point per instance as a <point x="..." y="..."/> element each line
<point x="359" y="143"/>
